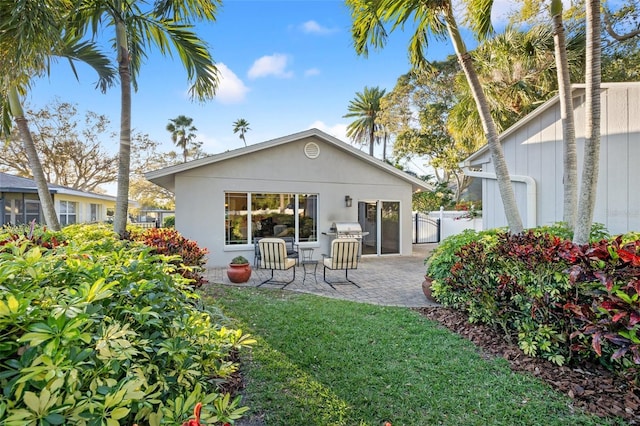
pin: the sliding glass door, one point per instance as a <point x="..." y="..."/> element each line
<point x="381" y="219"/>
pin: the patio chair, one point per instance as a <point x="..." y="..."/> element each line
<point x="273" y="255"/>
<point x="344" y="255"/>
<point x="256" y="252"/>
<point x="291" y="248"/>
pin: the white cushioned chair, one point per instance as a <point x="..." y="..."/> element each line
<point x="345" y="253"/>
<point x="273" y="255"/>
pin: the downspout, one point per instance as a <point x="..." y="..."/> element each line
<point x="531" y="191"/>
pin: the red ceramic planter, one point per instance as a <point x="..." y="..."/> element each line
<point x="239" y="273"/>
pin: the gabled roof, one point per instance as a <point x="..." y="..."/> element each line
<point x="17" y="184"/>
<point x="166" y="177"/>
<point x="534" y="114"/>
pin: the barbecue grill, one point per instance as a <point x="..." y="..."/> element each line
<point x="346" y="230"/>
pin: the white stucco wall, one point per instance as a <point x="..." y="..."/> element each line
<point x="200" y="192"/>
<point x="535" y="149"/>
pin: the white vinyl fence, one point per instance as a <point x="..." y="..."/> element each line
<point x="436" y="226"/>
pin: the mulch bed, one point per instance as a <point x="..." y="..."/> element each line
<point x="592" y="388"/>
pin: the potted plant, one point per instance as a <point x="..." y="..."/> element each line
<point x="239" y="270"/>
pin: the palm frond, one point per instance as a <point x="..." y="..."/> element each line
<point x="73" y="48"/>
<point x="367" y="28"/>
<point x="479" y="17"/>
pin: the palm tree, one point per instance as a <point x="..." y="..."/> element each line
<point x="566" y="114"/>
<point x="27" y="44"/>
<point x="135" y="30"/>
<point x="241" y="125"/>
<point x="365" y="108"/>
<point x="436" y="18"/>
<point x="182" y="133"/>
<point x="593" y="76"/>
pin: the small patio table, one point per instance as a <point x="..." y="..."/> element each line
<point x="307" y="261"/>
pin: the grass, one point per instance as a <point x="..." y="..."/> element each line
<point x="328" y="362"/>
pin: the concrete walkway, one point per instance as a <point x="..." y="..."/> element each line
<point x="384" y="280"/>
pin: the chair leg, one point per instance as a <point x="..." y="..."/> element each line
<point x="324" y="277"/>
<point x="272" y="281"/>
<point x="346" y="275"/>
<point x="331" y="283"/>
<point x="267" y="280"/>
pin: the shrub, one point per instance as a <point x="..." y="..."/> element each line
<point x="608" y="315"/>
<point x="169" y="222"/>
<point x="98" y="332"/>
<point x="445" y="256"/>
<point x="188" y="257"/>
<point x="559" y="300"/>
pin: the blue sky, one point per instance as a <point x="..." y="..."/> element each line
<point x="286" y="66"/>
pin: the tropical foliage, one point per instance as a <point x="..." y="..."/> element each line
<point x="436" y="20"/>
<point x="31" y="34"/>
<point x="183" y="134"/>
<point x="241" y="126"/>
<point x="364" y="108"/>
<point x="136" y="28"/>
<point x="559" y="300"/>
<point x="98" y="330"/>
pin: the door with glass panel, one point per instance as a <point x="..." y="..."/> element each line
<point x="390" y="227"/>
<point x="381" y="220"/>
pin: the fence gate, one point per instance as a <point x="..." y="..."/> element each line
<point x="425" y="229"/>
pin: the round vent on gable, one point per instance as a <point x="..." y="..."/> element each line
<point x="312" y="150"/>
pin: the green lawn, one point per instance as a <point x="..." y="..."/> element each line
<point x="328" y="362"/>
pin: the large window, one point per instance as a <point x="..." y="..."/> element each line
<point x="20" y="209"/>
<point x="249" y="215"/>
<point x="67" y="213"/>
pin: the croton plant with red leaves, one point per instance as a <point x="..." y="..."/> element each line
<point x="608" y="322"/>
<point x="561" y="301"/>
<point x="169" y="242"/>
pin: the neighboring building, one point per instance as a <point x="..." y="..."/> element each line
<point x="19" y="203"/>
<point x="533" y="148"/>
<point x="297" y="185"/>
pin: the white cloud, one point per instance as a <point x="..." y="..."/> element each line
<point x="231" y="90"/>
<point x="337" y="131"/>
<point x="275" y="65"/>
<point x="210" y="145"/>
<point x="312" y="27"/>
<point x="311" y="72"/>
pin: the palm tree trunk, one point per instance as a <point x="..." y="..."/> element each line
<point x="590" y="168"/>
<point x="372" y="139"/>
<point x="124" y="159"/>
<point x="46" y="201"/>
<point x="566" y="114"/>
<point x="502" y="172"/>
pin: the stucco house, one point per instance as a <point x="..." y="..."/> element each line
<point x="19" y="203"/>
<point x="297" y="185"/>
<point x="533" y="148"/>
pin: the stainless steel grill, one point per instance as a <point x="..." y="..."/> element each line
<point x="346" y="230"/>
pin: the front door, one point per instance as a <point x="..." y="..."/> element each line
<point x="381" y="220"/>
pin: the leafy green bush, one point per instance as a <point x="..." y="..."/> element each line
<point x="608" y="316"/>
<point x="102" y="332"/>
<point x="442" y="259"/>
<point x="169" y="222"/>
<point x="561" y="230"/>
<point x="559" y="300"/>
<point x="188" y="257"/>
<point x="516" y="283"/>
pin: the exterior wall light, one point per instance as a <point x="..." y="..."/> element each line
<point x="347" y="201"/>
